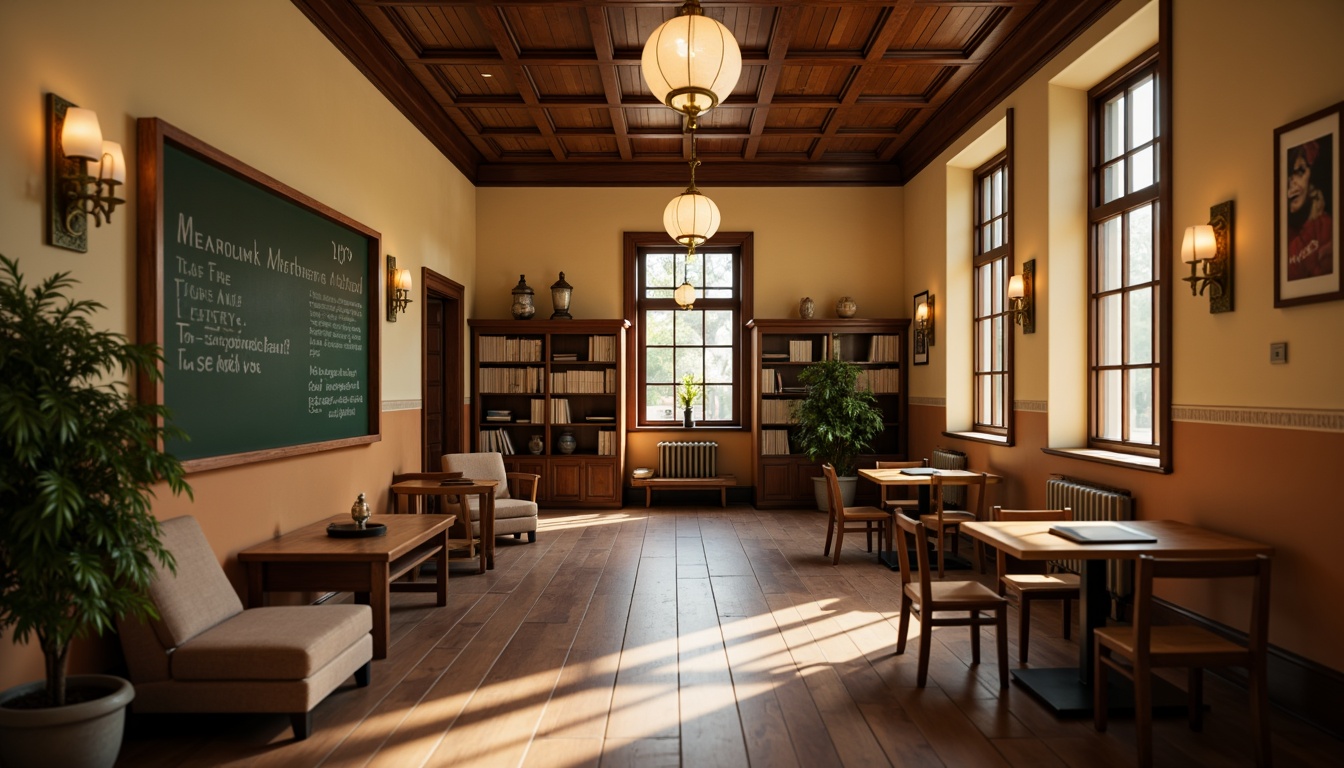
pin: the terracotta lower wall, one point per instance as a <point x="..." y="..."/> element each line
<point x="1277" y="486"/>
<point x="240" y="506"/>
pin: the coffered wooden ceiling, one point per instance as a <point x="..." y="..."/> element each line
<point x="529" y="92"/>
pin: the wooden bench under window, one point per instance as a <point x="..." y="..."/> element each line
<point x="722" y="483"/>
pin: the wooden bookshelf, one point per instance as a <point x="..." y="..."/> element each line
<point x="782" y="476"/>
<point x="548" y="377"/>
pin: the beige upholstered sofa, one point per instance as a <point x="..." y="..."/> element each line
<point x="513" y="514"/>
<point x="207" y="654"/>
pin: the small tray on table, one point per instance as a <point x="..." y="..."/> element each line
<point x="353" y="531"/>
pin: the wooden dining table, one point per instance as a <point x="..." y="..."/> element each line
<point x="1068" y="690"/>
<point x="887" y="478"/>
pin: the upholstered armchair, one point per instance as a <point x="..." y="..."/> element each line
<point x="515" y="509"/>
<point x="206" y="653"/>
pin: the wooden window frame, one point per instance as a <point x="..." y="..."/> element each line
<point x="981" y="423"/>
<point x="635" y="243"/>
<point x="1155" y="63"/>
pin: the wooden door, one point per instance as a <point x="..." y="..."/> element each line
<point x="566" y="483"/>
<point x="442" y="353"/>
<point x="599" y="480"/>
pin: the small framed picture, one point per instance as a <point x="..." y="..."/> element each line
<point x="1306" y="186"/>
<point x="918" y="333"/>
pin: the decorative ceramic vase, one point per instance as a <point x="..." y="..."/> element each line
<point x="567" y="442"/>
<point x="561" y="293"/>
<point x="524" y="306"/>
<point x="686" y="420"/>
<point x="807" y="308"/>
<point x="845" y="307"/>
<point x="536" y="445"/>
<point x="359" y="511"/>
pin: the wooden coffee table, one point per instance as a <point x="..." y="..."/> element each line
<point x="308" y="560"/>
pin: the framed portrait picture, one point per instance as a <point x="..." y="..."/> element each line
<point x="920" y="336"/>
<point x="1306" y="194"/>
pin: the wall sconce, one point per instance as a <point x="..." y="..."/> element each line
<point x="924" y="317"/>
<point x="398" y="289"/>
<point x="83" y="173"/>
<point x="1210" y="245"/>
<point x="1021" y="297"/>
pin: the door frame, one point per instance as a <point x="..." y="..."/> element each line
<point x="436" y="286"/>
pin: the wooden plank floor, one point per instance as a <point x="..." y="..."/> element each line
<point x="698" y="637"/>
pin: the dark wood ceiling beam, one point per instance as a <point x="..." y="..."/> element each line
<point x="677" y="133"/>
<point x="630" y="58"/>
<point x="723" y="172"/>
<point x="504" y="41"/>
<point x="671" y="3"/>
<point x="914" y="101"/>
<point x="786" y="21"/>
<point x="1032" y="43"/>
<point x="876" y="48"/>
<point x="600" y="31"/>
<point x="348" y="30"/>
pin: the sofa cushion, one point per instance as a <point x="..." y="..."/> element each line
<point x="199" y="595"/>
<point x="504" y="508"/>
<point x="277" y="643"/>
<point x="480" y="466"/>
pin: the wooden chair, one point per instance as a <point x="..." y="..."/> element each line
<point x="841" y="518"/>
<point x="905" y="503"/>
<point x="1029" y="587"/>
<point x="942" y="522"/>
<point x="1146" y="647"/>
<point x="972" y="604"/>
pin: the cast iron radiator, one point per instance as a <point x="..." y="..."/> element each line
<point x="687" y="459"/>
<point x="954" y="496"/>
<point x="1095" y="502"/>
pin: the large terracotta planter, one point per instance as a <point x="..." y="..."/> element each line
<point x="83" y="735"/>
<point x="848" y="487"/>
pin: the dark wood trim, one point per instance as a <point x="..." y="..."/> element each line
<point x="1034" y="42"/>
<point x="1076" y="454"/>
<point x="1297" y="685"/>
<point x="1166" y="198"/>
<point x="350" y="32"/>
<point x="151" y="135"/>
<point x="433" y="284"/>
<point x="632" y="242"/>
<point x="723" y="171"/>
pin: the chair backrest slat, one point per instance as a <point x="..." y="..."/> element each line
<point x="833" y="498"/>
<point x="920" y="534"/>
<point x="1150" y="568"/>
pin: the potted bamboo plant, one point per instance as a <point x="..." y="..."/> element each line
<point x="836" y="423"/>
<point x="688" y="392"/>
<point x="78" y="543"/>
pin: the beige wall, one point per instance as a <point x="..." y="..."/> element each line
<point x="255" y="79"/>
<point x="1224" y="118"/>
<point x="818" y="242"/>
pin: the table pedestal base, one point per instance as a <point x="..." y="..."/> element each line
<point x="1066" y="696"/>
<point x="951" y="563"/>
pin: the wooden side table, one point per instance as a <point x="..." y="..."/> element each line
<point x="406" y="495"/>
<point x="308" y="560"/>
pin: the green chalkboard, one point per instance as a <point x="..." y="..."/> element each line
<point x="264" y="302"/>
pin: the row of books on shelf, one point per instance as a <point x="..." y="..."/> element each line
<point x="584" y="382"/>
<point x="800" y="351"/>
<point x="884" y="348"/>
<point x="511" y="380"/>
<point x="602" y="349"/>
<point x="775" y="442"/>
<point x="502" y="349"/>
<point x="495" y="441"/>
<point x="777" y="412"/>
<point x="606" y="442"/>
<point x="880" y="381"/>
<point x="771" y="381"/>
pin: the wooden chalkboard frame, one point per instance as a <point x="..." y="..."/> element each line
<point x="152" y="135"/>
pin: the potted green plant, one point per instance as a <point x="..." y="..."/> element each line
<point x="836" y="422"/>
<point x="78" y="542"/>
<point x="688" y="392"/>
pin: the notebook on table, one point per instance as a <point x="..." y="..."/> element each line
<point x="1101" y="534"/>
<point x="919" y="471"/>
